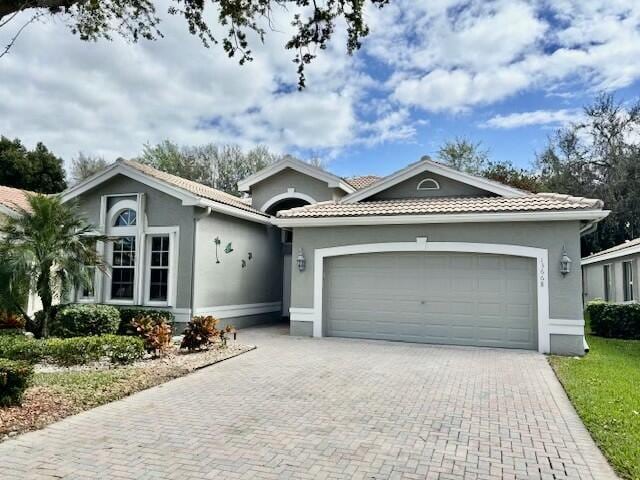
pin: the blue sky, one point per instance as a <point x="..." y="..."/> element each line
<point x="506" y="73"/>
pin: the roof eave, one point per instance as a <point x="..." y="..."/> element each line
<point x="429" y="165"/>
<point x="603" y="257"/>
<point x="539" y="216"/>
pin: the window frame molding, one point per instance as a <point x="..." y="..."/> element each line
<point x="173" y="233"/>
<point x="433" y="181"/>
<point x="608" y="273"/>
<point x="630" y="288"/>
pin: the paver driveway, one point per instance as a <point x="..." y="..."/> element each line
<point x="330" y="408"/>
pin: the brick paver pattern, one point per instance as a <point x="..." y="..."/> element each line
<point x="304" y="408"/>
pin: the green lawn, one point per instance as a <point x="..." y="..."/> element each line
<point x="604" y="387"/>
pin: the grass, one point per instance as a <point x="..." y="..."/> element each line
<point x="604" y="387"/>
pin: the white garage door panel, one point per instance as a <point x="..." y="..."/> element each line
<point x="461" y="298"/>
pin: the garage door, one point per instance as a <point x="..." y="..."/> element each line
<point x="457" y="299"/>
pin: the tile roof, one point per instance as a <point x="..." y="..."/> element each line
<point x="440" y="205"/>
<point x="193" y="187"/>
<point x="362" y="181"/>
<point x="618" y="248"/>
<point x="14" y="198"/>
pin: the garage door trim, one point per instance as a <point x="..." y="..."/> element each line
<point x="422" y="245"/>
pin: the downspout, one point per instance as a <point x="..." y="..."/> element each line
<point x="196" y="219"/>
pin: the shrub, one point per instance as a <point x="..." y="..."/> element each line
<point x="19" y="347"/>
<point x="38" y="317"/>
<point x="122" y="349"/>
<point x="85" y="320"/>
<point x="14" y="380"/>
<point x="127" y="315"/>
<point x="155" y="332"/>
<point x="200" y="332"/>
<point x="614" y="320"/>
<point x="73" y="351"/>
<point x="11" y="321"/>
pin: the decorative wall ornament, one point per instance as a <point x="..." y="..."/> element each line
<point x="217" y="242"/>
<point x="228" y="248"/>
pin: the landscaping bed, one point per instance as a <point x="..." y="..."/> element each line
<point x="604" y="387"/>
<point x="57" y="392"/>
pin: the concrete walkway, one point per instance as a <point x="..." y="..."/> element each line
<point x="305" y="408"/>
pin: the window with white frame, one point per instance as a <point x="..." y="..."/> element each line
<point x="123" y="264"/>
<point x="126" y="218"/>
<point x="627" y="280"/>
<point x="159" y="256"/>
<point x="608" y="284"/>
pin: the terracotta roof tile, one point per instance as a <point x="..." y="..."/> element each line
<point x="14" y="198"/>
<point x="439" y="205"/>
<point x="362" y="181"/>
<point x="193" y="187"/>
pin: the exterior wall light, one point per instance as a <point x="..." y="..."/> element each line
<point x="301" y="261"/>
<point x="565" y="262"/>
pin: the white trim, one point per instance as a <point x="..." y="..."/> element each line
<point x="432" y="181"/>
<point x="538" y="216"/>
<point x="542" y="280"/>
<point x="231" y="311"/>
<point x="9" y="212"/>
<point x="427" y="165"/>
<point x="187" y="198"/>
<point x="608" y="256"/>
<point x="333" y="181"/>
<point x="566" y="327"/>
<point x="290" y="193"/>
<point x="299" y="314"/>
<point x="174" y="247"/>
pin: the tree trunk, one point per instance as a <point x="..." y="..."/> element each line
<point x="46" y="297"/>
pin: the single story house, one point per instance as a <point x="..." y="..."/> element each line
<point x="427" y="254"/>
<point x="610" y="274"/>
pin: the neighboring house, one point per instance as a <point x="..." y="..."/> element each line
<point x="427" y="254"/>
<point x="610" y="274"/>
<point x="12" y="202"/>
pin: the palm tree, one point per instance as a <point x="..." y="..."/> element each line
<point x="50" y="246"/>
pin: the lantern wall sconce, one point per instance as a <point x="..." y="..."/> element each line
<point x="565" y="262"/>
<point x="301" y="261"/>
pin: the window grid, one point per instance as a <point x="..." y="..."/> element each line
<point x="126" y="218"/>
<point x="159" y="268"/>
<point x="123" y="268"/>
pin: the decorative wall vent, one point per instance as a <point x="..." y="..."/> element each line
<point x="428" y="184"/>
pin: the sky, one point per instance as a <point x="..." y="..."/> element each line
<point x="505" y="73"/>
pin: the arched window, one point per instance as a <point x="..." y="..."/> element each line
<point x="125" y="218"/>
<point x="428" y="184"/>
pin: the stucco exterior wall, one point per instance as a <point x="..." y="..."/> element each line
<point x="448" y="188"/>
<point x="565" y="291"/>
<point x="594" y="278"/>
<point x="228" y="283"/>
<point x="288" y="178"/>
<point x="161" y="210"/>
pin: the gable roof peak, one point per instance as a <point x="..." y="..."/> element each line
<point x="427" y="164"/>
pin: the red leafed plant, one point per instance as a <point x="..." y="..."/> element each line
<point x="155" y="333"/>
<point x="11" y="320"/>
<point x="202" y="332"/>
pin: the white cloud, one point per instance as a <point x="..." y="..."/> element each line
<point x="456" y="54"/>
<point x="536" y="117"/>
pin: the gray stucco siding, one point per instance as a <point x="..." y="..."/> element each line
<point x="567" y="344"/>
<point x="593" y="275"/>
<point x="448" y="188"/>
<point x="228" y="283"/>
<point x="565" y="291"/>
<point x="161" y="210"/>
<point x="288" y="178"/>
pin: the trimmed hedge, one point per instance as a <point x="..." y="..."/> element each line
<point x="73" y="351"/>
<point x="614" y="320"/>
<point x="127" y="314"/>
<point x="14" y="380"/>
<point x="85" y="320"/>
<point x="19" y="347"/>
